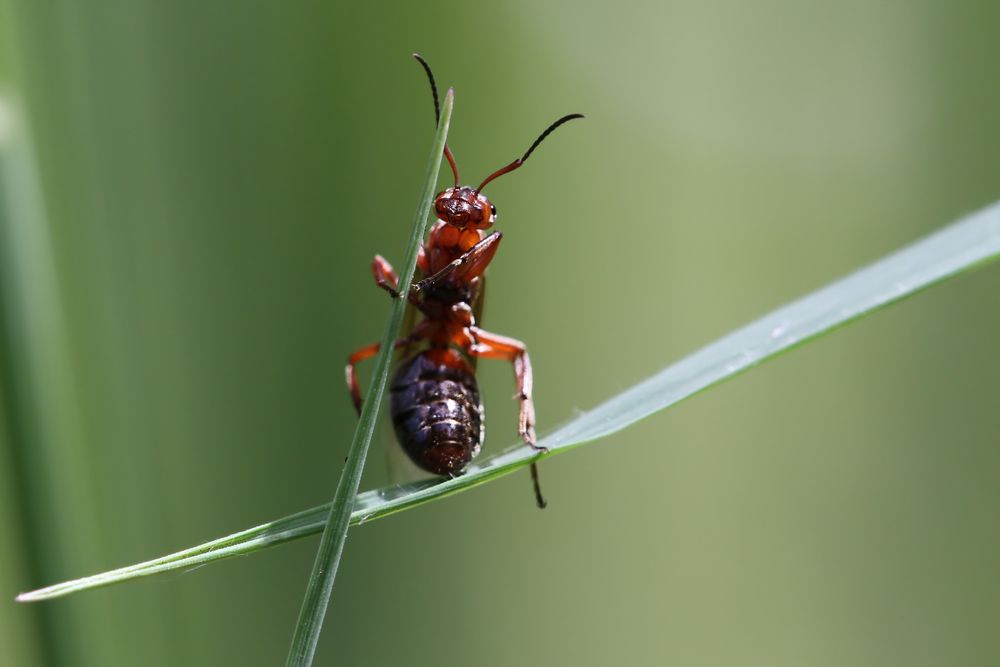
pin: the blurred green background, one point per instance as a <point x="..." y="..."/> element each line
<point x="191" y="195"/>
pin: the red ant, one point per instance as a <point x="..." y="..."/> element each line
<point x="434" y="397"/>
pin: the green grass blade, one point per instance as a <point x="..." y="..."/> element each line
<point x="331" y="545"/>
<point x="966" y="244"/>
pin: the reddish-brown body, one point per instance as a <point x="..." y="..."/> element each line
<point x="435" y="404"/>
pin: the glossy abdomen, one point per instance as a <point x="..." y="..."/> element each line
<point x="436" y="411"/>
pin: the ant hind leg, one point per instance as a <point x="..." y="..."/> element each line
<point x="367" y="352"/>
<point x="494" y="346"/>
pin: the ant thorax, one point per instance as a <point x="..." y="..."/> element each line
<point x="447" y="243"/>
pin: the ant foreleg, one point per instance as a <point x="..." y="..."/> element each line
<point x="467" y="266"/>
<point x="385" y="276"/>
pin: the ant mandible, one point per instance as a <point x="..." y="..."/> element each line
<point x="434" y="397"/>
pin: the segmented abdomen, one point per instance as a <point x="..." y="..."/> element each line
<point x="436" y="411"/>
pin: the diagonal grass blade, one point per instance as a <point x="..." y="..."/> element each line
<point x="971" y="242"/>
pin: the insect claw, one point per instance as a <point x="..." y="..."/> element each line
<point x="527" y="433"/>
<point x="394" y="293"/>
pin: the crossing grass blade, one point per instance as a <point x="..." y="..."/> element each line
<point x="337" y="520"/>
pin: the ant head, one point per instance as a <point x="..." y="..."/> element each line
<point x="465" y="208"/>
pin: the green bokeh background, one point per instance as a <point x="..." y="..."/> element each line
<point x="213" y="180"/>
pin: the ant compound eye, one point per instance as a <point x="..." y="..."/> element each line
<point x="493" y="209"/>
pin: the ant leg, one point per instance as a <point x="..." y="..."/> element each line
<point x="493" y="346"/>
<point x="422" y="258"/>
<point x="351" y="372"/>
<point x="367" y="352"/>
<point x="385" y="275"/>
<point x="469" y="265"/>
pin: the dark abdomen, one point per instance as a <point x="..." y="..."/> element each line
<point x="436" y="411"/>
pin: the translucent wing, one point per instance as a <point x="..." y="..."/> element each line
<point x="478" y="303"/>
<point x="410" y="316"/>
<point x="399" y="468"/>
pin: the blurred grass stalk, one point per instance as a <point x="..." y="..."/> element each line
<point x="52" y="486"/>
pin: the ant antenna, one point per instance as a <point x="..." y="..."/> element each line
<point x="519" y="161"/>
<point x="437" y="113"/>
